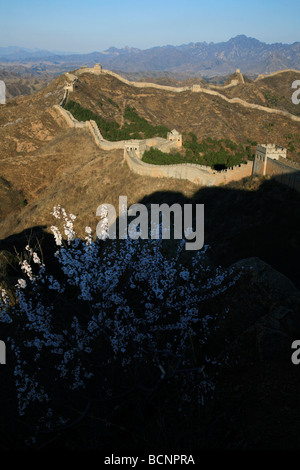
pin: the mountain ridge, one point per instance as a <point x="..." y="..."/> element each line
<point x="206" y="59"/>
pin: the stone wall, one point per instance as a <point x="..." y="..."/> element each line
<point x="147" y="84"/>
<point x="284" y="173"/>
<point x="224" y="87"/>
<point x="234" y="82"/>
<point x="157" y="142"/>
<point x="198" y="174"/>
<point x="262" y="76"/>
<point x="235" y="174"/>
<point x="134" y="149"/>
<point x="259" y="166"/>
<point x="71" y="121"/>
<point x="64" y="98"/>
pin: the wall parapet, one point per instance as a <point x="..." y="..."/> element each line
<point x="197" y="174"/>
<point x="69" y="118"/>
<point x="262" y="76"/>
<point x="282" y="170"/>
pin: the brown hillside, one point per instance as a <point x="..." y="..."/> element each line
<point x="71" y="171"/>
<point x="272" y="91"/>
<point x="43" y="162"/>
<point x="17" y="85"/>
<point x="203" y="114"/>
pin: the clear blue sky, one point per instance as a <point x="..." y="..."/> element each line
<point x="90" y="25"/>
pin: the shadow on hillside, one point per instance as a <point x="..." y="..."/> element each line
<point x="239" y="223"/>
<point x="251" y="406"/>
<point x="245" y="223"/>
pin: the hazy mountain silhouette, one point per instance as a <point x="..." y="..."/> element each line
<point x="250" y="55"/>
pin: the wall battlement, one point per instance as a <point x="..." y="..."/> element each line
<point x="197" y="174"/>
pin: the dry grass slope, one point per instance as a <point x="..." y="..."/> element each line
<point x="44" y="162"/>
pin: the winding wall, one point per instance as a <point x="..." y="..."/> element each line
<point x="261" y="77"/>
<point x="198" y="174"/>
<point x="196" y="89"/>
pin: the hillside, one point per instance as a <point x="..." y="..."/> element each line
<point x="273" y="91"/>
<point x="224" y="388"/>
<point x="22" y="83"/>
<point x="40" y="155"/>
<point x="204" y="115"/>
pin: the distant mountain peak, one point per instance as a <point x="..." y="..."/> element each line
<point x="125" y="49"/>
<point x="200" y="58"/>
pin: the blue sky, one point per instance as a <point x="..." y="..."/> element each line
<point x="86" y="26"/>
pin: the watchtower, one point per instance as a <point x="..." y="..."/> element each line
<point x="97" y="69"/>
<point x="174" y="136"/>
<point x="265" y="151"/>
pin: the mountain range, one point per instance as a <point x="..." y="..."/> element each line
<point x="201" y="58"/>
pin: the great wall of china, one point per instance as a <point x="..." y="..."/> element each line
<point x="261" y="76"/>
<point x="286" y="172"/>
<point x="134" y="149"/>
<point x="198" y="174"/>
<point x="97" y="70"/>
<point x="133" y="152"/>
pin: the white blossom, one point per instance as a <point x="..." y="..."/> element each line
<point x="22" y="283"/>
<point x="141" y="306"/>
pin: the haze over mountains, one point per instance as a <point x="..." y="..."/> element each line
<point x="207" y="59"/>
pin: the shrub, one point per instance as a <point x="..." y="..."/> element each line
<point x="136" y="128"/>
<point x="112" y="318"/>
<point x="216" y="155"/>
<point x="23" y="202"/>
<point x="157" y="157"/>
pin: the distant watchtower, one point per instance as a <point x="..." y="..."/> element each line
<point x="97" y="69"/>
<point x="196" y="87"/>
